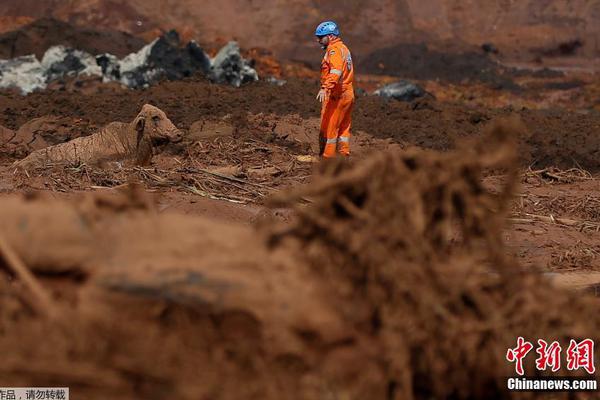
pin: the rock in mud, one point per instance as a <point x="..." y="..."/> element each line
<point x="230" y="67"/>
<point x="175" y="61"/>
<point x="402" y="90"/>
<point x="489" y="48"/>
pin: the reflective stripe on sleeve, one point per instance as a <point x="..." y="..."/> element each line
<point x="336" y="72"/>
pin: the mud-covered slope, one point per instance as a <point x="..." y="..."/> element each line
<point x="42" y="34"/>
<point x="522" y="29"/>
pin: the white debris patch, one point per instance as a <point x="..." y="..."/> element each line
<point x="53" y="55"/>
<point x="136" y="60"/>
<point x="25" y="73"/>
<point x="228" y="66"/>
<point x="164" y="58"/>
<point x="74" y="62"/>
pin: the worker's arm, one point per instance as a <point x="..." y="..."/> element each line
<point x="336" y="66"/>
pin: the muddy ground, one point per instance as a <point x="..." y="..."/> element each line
<point x="455" y="225"/>
<point x="556" y="137"/>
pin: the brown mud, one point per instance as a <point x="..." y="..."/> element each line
<point x="404" y="274"/>
<point x="37" y="37"/>
<point x="560" y="138"/>
<point x="417" y="61"/>
<point x="151" y="304"/>
<point x="42" y="132"/>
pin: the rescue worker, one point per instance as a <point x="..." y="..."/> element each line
<point x="336" y="93"/>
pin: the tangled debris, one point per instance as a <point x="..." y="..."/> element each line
<point x="241" y="170"/>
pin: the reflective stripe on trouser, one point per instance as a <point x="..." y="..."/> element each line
<point x="335" y="125"/>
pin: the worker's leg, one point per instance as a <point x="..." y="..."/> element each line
<point x="330" y="122"/>
<point x="345" y="109"/>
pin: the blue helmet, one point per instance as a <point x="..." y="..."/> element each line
<point x="327" y="28"/>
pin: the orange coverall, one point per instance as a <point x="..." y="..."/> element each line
<point x="337" y="77"/>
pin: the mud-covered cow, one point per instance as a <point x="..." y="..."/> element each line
<point x="116" y="141"/>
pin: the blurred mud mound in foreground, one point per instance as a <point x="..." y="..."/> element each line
<point x="412" y="243"/>
<point x="391" y="284"/>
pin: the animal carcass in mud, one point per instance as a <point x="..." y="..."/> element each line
<point x="116" y="141"/>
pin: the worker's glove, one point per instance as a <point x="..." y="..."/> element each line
<point x="322" y="95"/>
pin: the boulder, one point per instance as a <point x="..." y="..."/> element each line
<point x="401" y="90"/>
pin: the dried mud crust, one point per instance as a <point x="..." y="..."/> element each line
<point x="392" y="283"/>
<point x="556" y="221"/>
<point x="556" y="138"/>
<point x="42" y="132"/>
